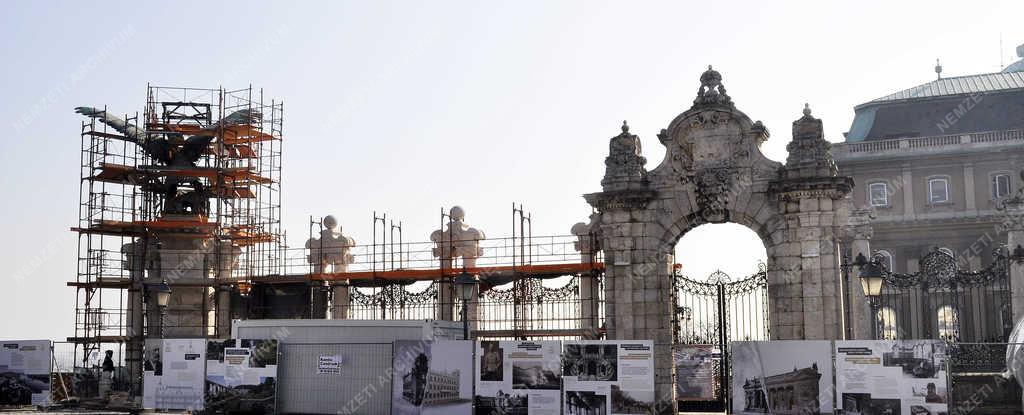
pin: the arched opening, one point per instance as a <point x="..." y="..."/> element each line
<point x="731" y="248"/>
<point x="720" y="285"/>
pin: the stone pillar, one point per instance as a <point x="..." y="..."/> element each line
<point x="1014" y="226"/>
<point x="134" y="262"/>
<point x="587" y="245"/>
<point x="458" y="240"/>
<point x="804" y="284"/>
<point x="340" y="300"/>
<point x="859" y="233"/>
<point x="638" y="265"/>
<point x="329" y="252"/>
<point x="225" y="258"/>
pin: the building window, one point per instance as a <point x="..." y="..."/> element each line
<point x="1000" y="186"/>
<point x="885" y="258"/>
<point x="938" y="190"/>
<point x="878" y="194"/>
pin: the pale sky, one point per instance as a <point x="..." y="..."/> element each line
<point x="405" y="107"/>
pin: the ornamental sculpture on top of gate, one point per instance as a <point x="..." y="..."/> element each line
<point x="714" y="172"/>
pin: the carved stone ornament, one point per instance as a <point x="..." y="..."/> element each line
<point x="809" y="149"/>
<point x="711" y="91"/>
<point x="714" y="186"/>
<point x="624" y="166"/>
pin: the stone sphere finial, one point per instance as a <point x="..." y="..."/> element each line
<point x="330" y="222"/>
<point x="625" y="126"/>
<point x="457" y="213"/>
<point x="807" y="109"/>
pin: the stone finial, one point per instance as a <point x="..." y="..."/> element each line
<point x="711" y="91"/>
<point x="331" y="248"/>
<point x="459" y="240"/>
<point x="809" y="147"/>
<point x="624" y="166"/>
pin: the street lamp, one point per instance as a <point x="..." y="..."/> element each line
<point x="466" y="283"/>
<point x="871" y="281"/>
<point x="163" y="298"/>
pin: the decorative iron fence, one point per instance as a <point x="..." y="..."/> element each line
<point x="567" y="307"/>
<point x="941" y="301"/>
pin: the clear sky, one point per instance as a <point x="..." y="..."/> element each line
<point x="405" y="107"/>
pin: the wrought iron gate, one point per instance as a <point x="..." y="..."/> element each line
<point x="941" y="301"/>
<point x="709" y="315"/>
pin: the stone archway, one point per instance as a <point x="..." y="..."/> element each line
<point x="714" y="172"/>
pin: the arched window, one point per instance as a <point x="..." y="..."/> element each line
<point x="948" y="320"/>
<point x="878" y="194"/>
<point x="885" y="258"/>
<point x="938" y="190"/>
<point x="888" y="329"/>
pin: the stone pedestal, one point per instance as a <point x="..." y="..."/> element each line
<point x="188" y="311"/>
<point x="340" y="301"/>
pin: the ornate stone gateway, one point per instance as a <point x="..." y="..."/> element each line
<point x="714" y="172"/>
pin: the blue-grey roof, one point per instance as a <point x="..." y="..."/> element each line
<point x="960" y="85"/>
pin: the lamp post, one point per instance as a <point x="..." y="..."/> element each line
<point x="466" y="283"/>
<point x="871" y="281"/>
<point x="163" y="298"/>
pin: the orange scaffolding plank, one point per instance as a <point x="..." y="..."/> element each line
<point x="433" y="274"/>
<point x="119" y="173"/>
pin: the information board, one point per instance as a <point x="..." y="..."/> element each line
<point x="782" y="376"/>
<point x="608" y="376"/>
<point x="892" y="376"/>
<point x="173" y="374"/>
<point x="241" y="376"/>
<point x="25" y="372"/>
<point x="518" y="377"/>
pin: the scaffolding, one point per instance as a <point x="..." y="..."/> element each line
<point x="140" y="186"/>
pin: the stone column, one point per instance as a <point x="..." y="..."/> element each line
<point x="587" y="245"/>
<point x="1014" y="226"/>
<point x="859" y="232"/>
<point x="458" y="240"/>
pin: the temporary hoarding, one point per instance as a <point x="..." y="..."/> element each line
<point x="241" y="376"/>
<point x="432" y="377"/>
<point x="518" y="377"/>
<point x="173" y="373"/>
<point x="892" y="377"/>
<point x="608" y="376"/>
<point x="25" y="372"/>
<point x="697" y="372"/>
<point x="782" y="377"/>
